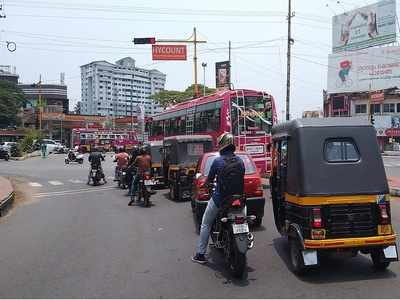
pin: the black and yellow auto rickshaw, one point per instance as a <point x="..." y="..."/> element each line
<point x="329" y="191"/>
<point x="181" y="154"/>
<point x="156" y="148"/>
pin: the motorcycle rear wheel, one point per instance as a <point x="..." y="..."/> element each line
<point x="237" y="262"/>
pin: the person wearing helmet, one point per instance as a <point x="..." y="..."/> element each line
<point x="95" y="159"/>
<point x="143" y="164"/>
<point x="226" y="149"/>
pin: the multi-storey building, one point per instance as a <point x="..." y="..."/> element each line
<point x="8" y="74"/>
<point x="119" y="89"/>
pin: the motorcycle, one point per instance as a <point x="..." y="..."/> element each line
<point x="230" y="233"/>
<point x="96" y="174"/>
<point x="145" y="184"/>
<point x="78" y="158"/>
<point x="121" y="178"/>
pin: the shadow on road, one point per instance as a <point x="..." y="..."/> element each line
<point x="217" y="264"/>
<point x="335" y="269"/>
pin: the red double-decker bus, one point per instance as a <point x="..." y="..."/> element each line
<point x="249" y="115"/>
<point x="103" y="139"/>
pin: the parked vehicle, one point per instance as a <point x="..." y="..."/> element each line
<point x="181" y="154"/>
<point x="231" y="234"/>
<point x="7" y="146"/>
<point x="51" y="145"/>
<point x="74" y="157"/>
<point x="4" y="154"/>
<point x="329" y="191"/>
<point x="255" y="200"/>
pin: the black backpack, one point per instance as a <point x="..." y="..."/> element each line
<point x="231" y="177"/>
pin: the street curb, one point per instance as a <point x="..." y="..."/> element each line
<point x="25" y="156"/>
<point x="7" y="200"/>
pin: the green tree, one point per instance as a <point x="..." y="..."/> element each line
<point x="170" y="97"/>
<point x="12" y="100"/>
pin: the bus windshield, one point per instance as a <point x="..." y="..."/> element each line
<point x="254" y="116"/>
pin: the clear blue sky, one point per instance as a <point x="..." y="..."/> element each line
<point x="56" y="36"/>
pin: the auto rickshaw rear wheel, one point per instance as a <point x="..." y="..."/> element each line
<point x="296" y="257"/>
<point x="377" y="257"/>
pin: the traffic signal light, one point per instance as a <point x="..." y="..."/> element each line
<point x="142" y="41"/>
<point x="372" y="120"/>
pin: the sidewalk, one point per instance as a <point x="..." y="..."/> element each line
<point x="6" y="195"/>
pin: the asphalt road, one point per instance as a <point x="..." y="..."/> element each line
<point x="69" y="240"/>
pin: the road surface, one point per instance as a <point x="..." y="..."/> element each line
<point x="70" y="240"/>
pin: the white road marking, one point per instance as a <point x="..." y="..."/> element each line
<point x="35" y="184"/>
<point x="72" y="192"/>
<point x="55" y="182"/>
<point x="75" y="181"/>
<point x="110" y="177"/>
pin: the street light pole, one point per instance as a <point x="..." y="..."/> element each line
<point x="204" y="65"/>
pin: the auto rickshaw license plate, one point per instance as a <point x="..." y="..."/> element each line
<point x="240" y="228"/>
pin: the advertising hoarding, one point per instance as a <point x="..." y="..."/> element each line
<point x="364" y="27"/>
<point x="222" y="74"/>
<point x="364" y="70"/>
<point x="169" y="52"/>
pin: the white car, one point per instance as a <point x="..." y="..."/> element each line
<point x="7" y="146"/>
<point x="51" y="145"/>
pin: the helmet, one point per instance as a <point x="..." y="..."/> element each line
<point x="135" y="150"/>
<point x="225" y="140"/>
<point x="142" y="150"/>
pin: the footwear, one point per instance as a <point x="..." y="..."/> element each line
<point x="199" y="258"/>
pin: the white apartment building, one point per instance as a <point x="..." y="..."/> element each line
<point x="119" y="89"/>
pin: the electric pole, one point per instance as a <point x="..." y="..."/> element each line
<point x="230" y="71"/>
<point x="289" y="45"/>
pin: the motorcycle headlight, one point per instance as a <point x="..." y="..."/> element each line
<point x="123" y="173"/>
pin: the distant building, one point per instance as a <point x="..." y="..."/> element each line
<point x="119" y="89"/>
<point x="8" y="73"/>
<point x="312" y="114"/>
<point x="54" y="96"/>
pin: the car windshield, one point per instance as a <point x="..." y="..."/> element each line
<point x="248" y="164"/>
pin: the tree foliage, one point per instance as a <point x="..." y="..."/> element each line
<point x="77" y="108"/>
<point x="169" y="97"/>
<point x="11" y="101"/>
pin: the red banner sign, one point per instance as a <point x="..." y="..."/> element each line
<point x="378" y="96"/>
<point x="169" y="52"/>
<point x="393" y="132"/>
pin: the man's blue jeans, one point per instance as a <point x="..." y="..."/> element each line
<point x="209" y="216"/>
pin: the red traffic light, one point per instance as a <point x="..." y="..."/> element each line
<point x="142" y="41"/>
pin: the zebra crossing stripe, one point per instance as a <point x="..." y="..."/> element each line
<point x="75" y="181"/>
<point x="35" y="184"/>
<point x="55" y="182"/>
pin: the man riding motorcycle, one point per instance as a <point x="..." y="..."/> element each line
<point x="143" y="164"/>
<point x="71" y="155"/>
<point x="122" y="161"/>
<point x="95" y="159"/>
<point x="226" y="149"/>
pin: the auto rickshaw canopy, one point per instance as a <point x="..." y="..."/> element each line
<point x="185" y="150"/>
<point x="331" y="156"/>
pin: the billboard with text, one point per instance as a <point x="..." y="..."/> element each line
<point x="369" y="69"/>
<point x="364" y="27"/>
